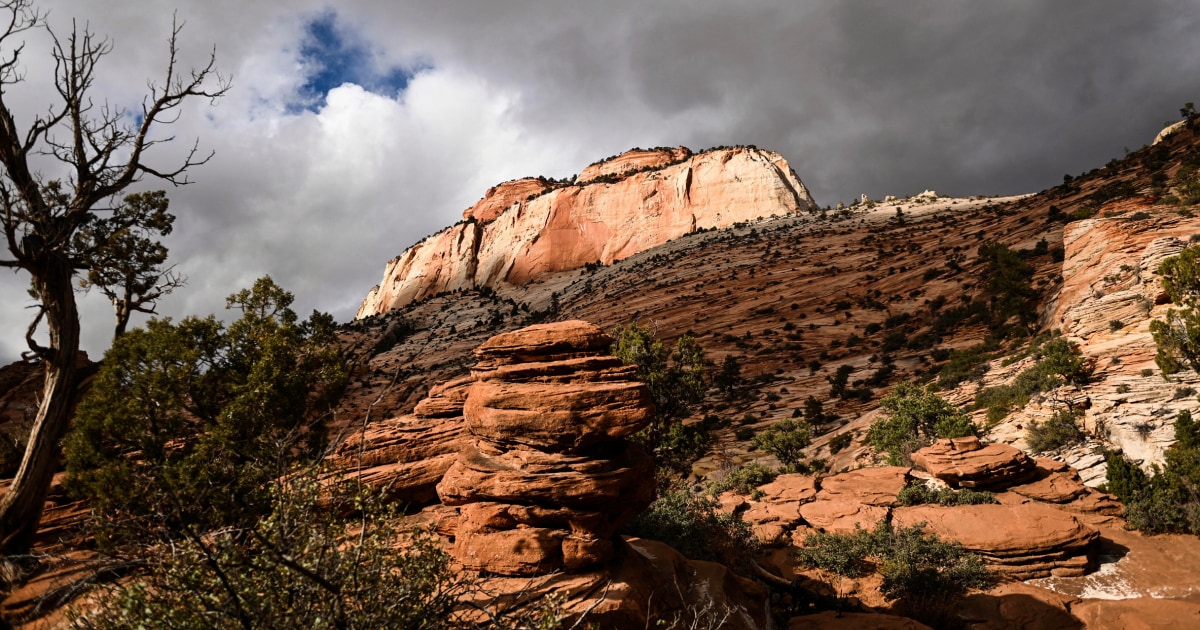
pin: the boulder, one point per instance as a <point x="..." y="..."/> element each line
<point x="1023" y="541"/>
<point x="967" y="463"/>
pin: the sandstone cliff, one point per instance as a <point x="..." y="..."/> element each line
<point x="524" y="229"/>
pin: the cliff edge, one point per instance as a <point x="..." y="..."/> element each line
<point x="523" y="229"/>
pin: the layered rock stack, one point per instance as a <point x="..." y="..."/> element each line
<point x="967" y="463"/>
<point x="1021" y="537"/>
<point x="548" y="477"/>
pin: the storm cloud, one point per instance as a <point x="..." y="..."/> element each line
<point x="355" y="128"/>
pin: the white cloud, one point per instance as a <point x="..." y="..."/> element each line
<point x="869" y="97"/>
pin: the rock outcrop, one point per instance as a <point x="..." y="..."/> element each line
<point x="407" y="455"/>
<point x="1022" y="541"/>
<point x="530" y="227"/>
<point x="1021" y="537"/>
<point x="967" y="463"/>
<point x="548" y="478"/>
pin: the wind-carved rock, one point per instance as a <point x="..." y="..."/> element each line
<point x="549" y="477"/>
<point x="529" y="227"/>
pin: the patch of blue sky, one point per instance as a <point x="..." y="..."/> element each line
<point x="332" y="55"/>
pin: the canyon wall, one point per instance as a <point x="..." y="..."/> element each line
<point x="529" y="227"/>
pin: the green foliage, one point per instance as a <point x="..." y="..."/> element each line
<point x="186" y="424"/>
<point x="786" y="440"/>
<point x="1059" y="362"/>
<point x="304" y="565"/>
<point x="1178" y="337"/>
<point x="730" y="376"/>
<point x="915" y="417"/>
<point x="838" y="381"/>
<point x="692" y="525"/>
<point x="676" y="381"/>
<point x="1169" y="499"/>
<point x="919" y="494"/>
<point x="926" y="575"/>
<point x="1008" y="283"/>
<point x="744" y="479"/>
<point x="814" y="410"/>
<point x="839" y="442"/>
<point x="1059" y="431"/>
<point x="967" y="364"/>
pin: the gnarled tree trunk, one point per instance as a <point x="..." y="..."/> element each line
<point x="21" y="506"/>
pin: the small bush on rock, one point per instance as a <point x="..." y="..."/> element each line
<point x="919" y="493"/>
<point x="915" y="418"/>
<point x="1059" y="431"/>
<point x="786" y="440"/>
<point x="690" y="523"/>
<point x="1168" y="500"/>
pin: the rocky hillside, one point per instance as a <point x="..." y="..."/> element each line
<point x="525" y="229"/>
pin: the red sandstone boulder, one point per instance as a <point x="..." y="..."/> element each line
<point x="542" y="342"/>
<point x="967" y="463"/>
<point x="1024" y="541"/>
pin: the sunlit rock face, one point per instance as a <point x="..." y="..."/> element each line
<point x="526" y="228"/>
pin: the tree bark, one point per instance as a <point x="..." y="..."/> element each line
<point x="121" y="307"/>
<point x="21" y="507"/>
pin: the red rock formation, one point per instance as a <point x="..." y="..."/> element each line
<point x="967" y="463"/>
<point x="500" y="198"/>
<point x="571" y="226"/>
<point x="548" y="478"/>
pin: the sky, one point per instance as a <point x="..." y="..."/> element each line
<point x="355" y="128"/>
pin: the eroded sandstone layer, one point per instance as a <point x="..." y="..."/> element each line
<point x="548" y="478"/>
<point x="529" y="227"/>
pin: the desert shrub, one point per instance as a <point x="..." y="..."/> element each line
<point x="743" y="479"/>
<point x="786" y="440"/>
<point x="1168" y="500"/>
<point x="676" y="382"/>
<point x="924" y="574"/>
<point x="915" y="417"/>
<point x="1059" y="362"/>
<point x="1059" y="431"/>
<point x="838" y="380"/>
<point x="690" y="523"/>
<point x="1177" y="338"/>
<point x="187" y="424"/>
<point x="839" y="442"/>
<point x="1007" y="279"/>
<point x="967" y="364"/>
<point x="301" y="566"/>
<point x="919" y="493"/>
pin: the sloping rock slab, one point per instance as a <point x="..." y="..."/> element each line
<point x="872" y="486"/>
<point x="842" y="516"/>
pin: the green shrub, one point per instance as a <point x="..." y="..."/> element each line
<point x="1178" y="337"/>
<point x="924" y="574"/>
<point x="1059" y="431"/>
<point x="186" y="424"/>
<point x="966" y="365"/>
<point x="744" y="479"/>
<point x="918" y="493"/>
<point x="915" y="417"/>
<point x="840" y="442"/>
<point x="691" y="524"/>
<point x="1059" y="362"/>
<point x="1168" y="500"/>
<point x="299" y="567"/>
<point x="676" y="382"/>
<point x="786" y="440"/>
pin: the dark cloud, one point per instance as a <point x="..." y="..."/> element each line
<point x="412" y="109"/>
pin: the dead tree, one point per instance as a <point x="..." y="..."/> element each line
<point x="102" y="154"/>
